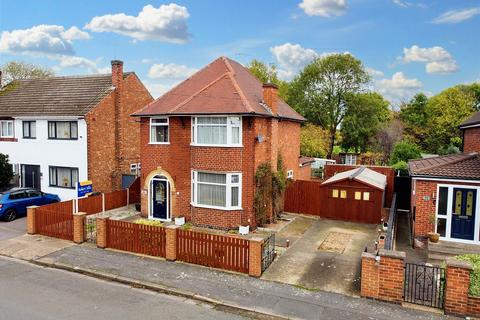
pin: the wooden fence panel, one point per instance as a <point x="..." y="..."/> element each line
<point x="54" y="223"/>
<point x="213" y="250"/>
<point x="136" y="238"/>
<point x="63" y="207"/>
<point x="90" y="205"/>
<point x="115" y="199"/>
<point x="134" y="191"/>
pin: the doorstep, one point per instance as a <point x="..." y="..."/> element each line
<point x="443" y="249"/>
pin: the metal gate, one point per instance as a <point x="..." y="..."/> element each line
<point x="91" y="228"/>
<point x="424" y="285"/>
<point x="268" y="251"/>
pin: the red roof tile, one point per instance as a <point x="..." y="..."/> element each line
<point x="454" y="166"/>
<point x="222" y="87"/>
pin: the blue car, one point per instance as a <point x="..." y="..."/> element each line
<point x="14" y="202"/>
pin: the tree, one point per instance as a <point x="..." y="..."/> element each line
<point x="313" y="141"/>
<point x="414" y="118"/>
<point x="388" y="136"/>
<point x="445" y="112"/>
<point x="6" y="172"/>
<point x="474" y="90"/>
<point x="268" y="74"/>
<point x="18" y="70"/>
<point x="321" y="90"/>
<point x="404" y="151"/>
<point x="366" y="113"/>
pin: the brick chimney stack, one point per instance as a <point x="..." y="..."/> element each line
<point x="0" y="78"/>
<point x="270" y="96"/>
<point x="117" y="72"/>
<point x="117" y="80"/>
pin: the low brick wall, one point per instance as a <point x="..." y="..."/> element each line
<point x="383" y="276"/>
<point x="458" y="302"/>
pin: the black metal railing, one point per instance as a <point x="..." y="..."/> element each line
<point x="424" y="285"/>
<point x="392" y="224"/>
<point x="268" y="251"/>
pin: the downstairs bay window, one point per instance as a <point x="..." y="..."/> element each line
<point x="217" y="131"/>
<point x="217" y="190"/>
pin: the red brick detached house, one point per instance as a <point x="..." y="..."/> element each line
<point x="202" y="141"/>
<point x="61" y="130"/>
<point x="446" y="191"/>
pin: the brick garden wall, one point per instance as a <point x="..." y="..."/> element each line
<point x="471" y="140"/>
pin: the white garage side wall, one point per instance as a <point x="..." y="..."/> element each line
<point x="44" y="152"/>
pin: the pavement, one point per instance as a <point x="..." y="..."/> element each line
<point x="324" y="255"/>
<point x="12" y="229"/>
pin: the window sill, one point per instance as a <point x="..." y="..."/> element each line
<point x="8" y="139"/>
<point x="216" y="208"/>
<point x="217" y="145"/>
<point x="164" y="143"/>
<point x="60" y="187"/>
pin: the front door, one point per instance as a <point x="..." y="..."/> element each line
<point x="463" y="213"/>
<point x="160" y="199"/>
<point x="30" y="176"/>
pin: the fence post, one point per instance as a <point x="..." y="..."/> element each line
<point x="103" y="202"/>
<point x="171" y="242"/>
<point x="102" y="232"/>
<point x="79" y="227"/>
<point x="128" y="196"/>
<point x="457" y="285"/>
<point x="255" y="257"/>
<point x="31" y="226"/>
<point x="391" y="275"/>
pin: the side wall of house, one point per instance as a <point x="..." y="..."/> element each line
<point x="289" y="146"/>
<point x="471" y="140"/>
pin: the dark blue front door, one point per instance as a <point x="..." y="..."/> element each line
<point x="159" y="199"/>
<point x="463" y="213"/>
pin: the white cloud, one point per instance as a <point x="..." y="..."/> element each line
<point x="80" y="62"/>
<point x="43" y="39"/>
<point x="170" y="71"/>
<point x="374" y="73"/>
<point x="457" y="16"/>
<point x="408" y="4"/>
<point x="157" y="89"/>
<point x="436" y="59"/>
<point x="398" y="88"/>
<point x="166" y="23"/>
<point x="292" y="58"/>
<point x="324" y="8"/>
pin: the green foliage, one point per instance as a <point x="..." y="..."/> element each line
<point x="475" y="274"/>
<point x="267" y="73"/>
<point x="450" y="149"/>
<point x="401" y="167"/>
<point x="321" y="90"/>
<point x="6" y="171"/>
<point x="365" y="115"/>
<point x="148" y="222"/>
<point x="414" y="118"/>
<point x="187" y="226"/>
<point x="313" y="141"/>
<point x="445" y="112"/>
<point x="473" y="90"/>
<point x="404" y="151"/>
<point x="18" y="70"/>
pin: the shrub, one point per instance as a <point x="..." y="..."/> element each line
<point x="401" y="167"/>
<point x="475" y="274"/>
<point x="404" y="151"/>
<point x="147" y="222"/>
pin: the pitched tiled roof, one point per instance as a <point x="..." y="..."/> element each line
<point x="473" y="120"/>
<point x="303" y="161"/>
<point x="56" y="96"/>
<point x="454" y="166"/>
<point x="222" y="87"/>
<point x="361" y="174"/>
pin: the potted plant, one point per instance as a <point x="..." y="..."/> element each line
<point x="244" y="229"/>
<point x="433" y="236"/>
<point x="179" y="221"/>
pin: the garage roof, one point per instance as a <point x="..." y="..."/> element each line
<point x="362" y="175"/>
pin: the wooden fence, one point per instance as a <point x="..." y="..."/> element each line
<point x="55" y="220"/>
<point x="134" y="191"/>
<point x="90" y="205"/>
<point x="213" y="250"/>
<point x="137" y="238"/>
<point x="115" y="199"/>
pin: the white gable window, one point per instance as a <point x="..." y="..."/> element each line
<point x="217" y="190"/>
<point x="217" y="131"/>
<point x="6" y="129"/>
<point x="159" y="133"/>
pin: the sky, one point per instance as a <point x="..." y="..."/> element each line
<point x="407" y="46"/>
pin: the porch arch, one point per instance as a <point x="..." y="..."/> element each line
<point x="172" y="194"/>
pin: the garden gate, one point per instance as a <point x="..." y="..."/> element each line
<point x="424" y="285"/>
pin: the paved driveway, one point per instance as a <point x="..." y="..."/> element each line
<point x="13" y="229"/>
<point x="326" y="256"/>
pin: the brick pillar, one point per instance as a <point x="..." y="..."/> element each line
<point x="144" y="203"/>
<point x="102" y="232"/>
<point x="255" y="257"/>
<point x="457" y="285"/>
<point x="171" y="242"/>
<point x="79" y="227"/>
<point x="31" y="227"/>
<point x="369" y="277"/>
<point x="391" y="275"/>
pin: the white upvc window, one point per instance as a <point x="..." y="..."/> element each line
<point x="217" y="190"/>
<point x="6" y="129"/>
<point x="217" y="131"/>
<point x="290" y="174"/>
<point x="159" y="130"/>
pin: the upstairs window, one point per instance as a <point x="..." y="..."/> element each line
<point x="6" y="129"/>
<point x="29" y="129"/>
<point x="159" y="130"/>
<point x="63" y="130"/>
<point x="217" y="131"/>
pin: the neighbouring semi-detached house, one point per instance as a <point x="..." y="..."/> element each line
<point x="446" y="191"/>
<point x="61" y="130"/>
<point x="202" y="142"/>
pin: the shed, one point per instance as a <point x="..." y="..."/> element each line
<point x="356" y="195"/>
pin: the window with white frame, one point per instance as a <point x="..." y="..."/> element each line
<point x="6" y="129"/>
<point x="159" y="130"/>
<point x="217" y="190"/>
<point x="217" y="131"/>
<point x="135" y="169"/>
<point x="290" y="174"/>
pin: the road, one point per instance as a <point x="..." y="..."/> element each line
<point x="13" y="229"/>
<point x="31" y="292"/>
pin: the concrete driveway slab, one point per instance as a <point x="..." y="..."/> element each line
<point x="29" y="247"/>
<point x="13" y="228"/>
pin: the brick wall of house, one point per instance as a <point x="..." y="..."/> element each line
<point x="471" y="140"/>
<point x="289" y="146"/>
